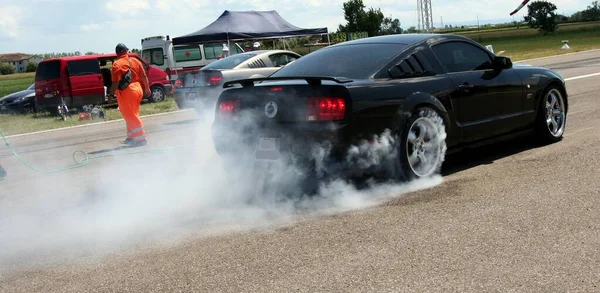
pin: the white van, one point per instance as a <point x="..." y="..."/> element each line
<point x="161" y="53"/>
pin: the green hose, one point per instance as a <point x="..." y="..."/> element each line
<point x="86" y="158"/>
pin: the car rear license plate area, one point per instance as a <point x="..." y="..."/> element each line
<point x="268" y="148"/>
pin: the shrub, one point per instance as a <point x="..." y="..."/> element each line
<point x="31" y="67"/>
<point x="6" y="69"/>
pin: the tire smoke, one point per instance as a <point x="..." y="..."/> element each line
<point x="119" y="204"/>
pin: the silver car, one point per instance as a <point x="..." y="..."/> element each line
<point x="201" y="88"/>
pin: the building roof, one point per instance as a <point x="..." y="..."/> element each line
<point x="15" y="57"/>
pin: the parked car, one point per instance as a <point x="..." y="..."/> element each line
<point x="406" y="83"/>
<point x="201" y="88"/>
<point x="19" y="102"/>
<point x="82" y="83"/>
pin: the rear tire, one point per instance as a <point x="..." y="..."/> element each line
<point x="422" y="145"/>
<point x="552" y="115"/>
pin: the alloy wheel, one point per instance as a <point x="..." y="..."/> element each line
<point x="423" y="149"/>
<point x="555" y="113"/>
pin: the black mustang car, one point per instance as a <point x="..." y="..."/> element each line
<point x="433" y="92"/>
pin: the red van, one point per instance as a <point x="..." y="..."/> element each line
<point x="81" y="81"/>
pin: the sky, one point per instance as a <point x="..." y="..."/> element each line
<point x="45" y="26"/>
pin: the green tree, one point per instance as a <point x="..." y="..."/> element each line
<point x="6" y="69"/>
<point x="31" y="67"/>
<point x="541" y="14"/>
<point x="411" y="30"/>
<point x="389" y="26"/>
<point x="353" y="12"/>
<point x="371" y="21"/>
<point x="592" y="12"/>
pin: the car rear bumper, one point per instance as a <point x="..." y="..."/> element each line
<point x="50" y="102"/>
<point x="197" y="97"/>
<point x="168" y="88"/>
<point x="302" y="142"/>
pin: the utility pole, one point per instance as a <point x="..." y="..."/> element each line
<point x="425" y="15"/>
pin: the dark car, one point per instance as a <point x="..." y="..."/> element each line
<point x="432" y="92"/>
<point x="20" y="102"/>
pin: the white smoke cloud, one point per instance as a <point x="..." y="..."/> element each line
<point x="149" y="198"/>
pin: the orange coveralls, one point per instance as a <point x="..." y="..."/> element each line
<point x="130" y="98"/>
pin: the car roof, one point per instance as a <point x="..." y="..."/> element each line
<point x="406" y="39"/>
<point x="261" y="52"/>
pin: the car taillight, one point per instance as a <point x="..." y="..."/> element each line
<point x="326" y="108"/>
<point x="228" y="108"/>
<point x="214" y="80"/>
<point x="179" y="83"/>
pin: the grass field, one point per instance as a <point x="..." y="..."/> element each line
<point x="17" y="124"/>
<point x="15" y="82"/>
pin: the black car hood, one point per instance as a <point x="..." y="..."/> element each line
<point x="14" y="96"/>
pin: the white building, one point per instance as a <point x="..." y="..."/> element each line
<point x="19" y="60"/>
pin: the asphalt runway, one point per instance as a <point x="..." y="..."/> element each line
<point x="511" y="217"/>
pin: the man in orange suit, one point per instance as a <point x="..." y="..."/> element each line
<point x="130" y="89"/>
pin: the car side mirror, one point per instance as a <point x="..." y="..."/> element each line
<point x="501" y="62"/>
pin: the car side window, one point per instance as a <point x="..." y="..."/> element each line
<point x="281" y="59"/>
<point x="212" y="51"/>
<point x="461" y="57"/>
<point x="83" y="67"/>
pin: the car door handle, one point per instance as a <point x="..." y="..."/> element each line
<point x="465" y="86"/>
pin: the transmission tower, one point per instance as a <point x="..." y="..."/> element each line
<point x="425" y="15"/>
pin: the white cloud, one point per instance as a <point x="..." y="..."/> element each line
<point x="10" y="20"/>
<point x="127" y="8"/>
<point x="91" y="27"/>
<point x="163" y="5"/>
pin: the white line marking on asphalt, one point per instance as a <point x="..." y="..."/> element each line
<point x="96" y="123"/>
<point x="582" y="76"/>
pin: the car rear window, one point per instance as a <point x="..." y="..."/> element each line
<point x="357" y="61"/>
<point x="154" y="56"/>
<point x="48" y="70"/>
<point x="83" y="67"/>
<point x="229" y="62"/>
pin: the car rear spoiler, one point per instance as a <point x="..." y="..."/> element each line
<point x="312" y="80"/>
